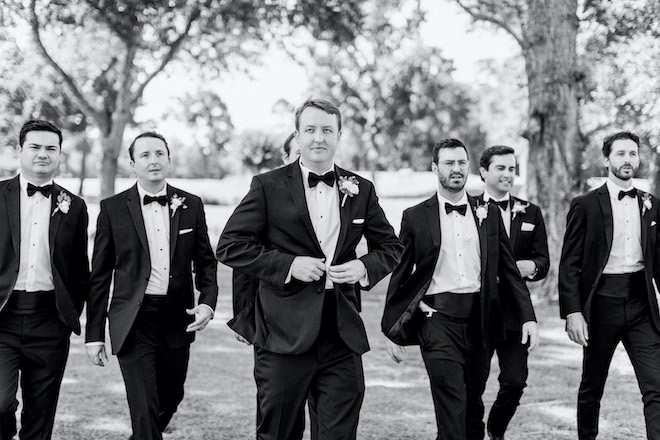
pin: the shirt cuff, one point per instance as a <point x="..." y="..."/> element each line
<point x="94" y="343"/>
<point x="426" y="308"/>
<point x="574" y="313"/>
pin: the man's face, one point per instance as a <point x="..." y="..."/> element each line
<point x="623" y="160"/>
<point x="318" y="136"/>
<point x="500" y="174"/>
<point x="151" y="162"/>
<point x="40" y="155"/>
<point x="452" y="168"/>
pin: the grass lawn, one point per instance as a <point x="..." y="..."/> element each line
<point x="220" y="391"/>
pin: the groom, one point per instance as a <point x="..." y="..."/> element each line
<point x="297" y="231"/>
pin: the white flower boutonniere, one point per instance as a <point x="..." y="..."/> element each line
<point x="348" y="186"/>
<point x="481" y="211"/>
<point x="518" y="208"/>
<point x="176" y="202"/>
<point x="646" y="203"/>
<point x="63" y="203"/>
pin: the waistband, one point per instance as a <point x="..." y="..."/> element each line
<point x="22" y="302"/>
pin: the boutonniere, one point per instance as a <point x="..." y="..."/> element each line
<point x="348" y="186"/>
<point x="63" y="203"/>
<point x="518" y="208"/>
<point x="646" y="202"/>
<point x="176" y="202"/>
<point x="481" y="211"/>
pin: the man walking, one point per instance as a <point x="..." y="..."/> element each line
<point x="526" y="230"/>
<point x="608" y="278"/>
<point x="44" y="280"/>
<point x="149" y="236"/>
<point x="443" y="295"/>
<point x="296" y="231"/>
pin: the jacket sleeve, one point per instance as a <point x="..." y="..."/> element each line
<point x="539" y="252"/>
<point x="571" y="262"/>
<point x="205" y="265"/>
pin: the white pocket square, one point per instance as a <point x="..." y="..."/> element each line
<point x="527" y="227"/>
<point x="653" y="223"/>
<point x="358" y="221"/>
<point x="185" y="231"/>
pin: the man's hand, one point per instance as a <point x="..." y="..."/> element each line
<point x="96" y="354"/>
<point x="577" y="328"/>
<point x="307" y="269"/>
<point x="530" y="332"/>
<point x="527" y="268"/>
<point x="240" y="338"/>
<point x="397" y="352"/>
<point x="203" y="315"/>
<point x="347" y="273"/>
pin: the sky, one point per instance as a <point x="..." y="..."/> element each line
<point x="250" y="100"/>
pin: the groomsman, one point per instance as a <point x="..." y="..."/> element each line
<point x="44" y="280"/>
<point x="526" y="230"/>
<point x="147" y="239"/>
<point x="608" y="278"/>
<point x="443" y="295"/>
<point x="297" y="231"/>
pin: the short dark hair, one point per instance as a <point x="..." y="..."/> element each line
<point x="320" y="104"/>
<point x="447" y="143"/>
<point x="38" y="125"/>
<point x="151" y="134"/>
<point x="496" y="150"/>
<point x="286" y="146"/>
<point x="609" y="140"/>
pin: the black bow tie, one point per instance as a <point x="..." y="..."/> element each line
<point x="461" y="209"/>
<point x="45" y="190"/>
<point x="504" y="204"/>
<point x="159" y="199"/>
<point x="328" y="178"/>
<point x="632" y="193"/>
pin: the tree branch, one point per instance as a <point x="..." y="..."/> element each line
<point x="75" y="94"/>
<point x="480" y="16"/>
<point x="174" y="48"/>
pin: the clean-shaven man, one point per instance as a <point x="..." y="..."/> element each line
<point x="443" y="295"/>
<point x="526" y="230"/>
<point x="608" y="278"/>
<point x="44" y="280"/>
<point x="150" y="239"/>
<point x="296" y="231"/>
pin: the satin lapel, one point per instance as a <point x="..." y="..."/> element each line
<point x="644" y="222"/>
<point x="174" y="222"/>
<point x="133" y="204"/>
<point x="483" y="231"/>
<point x="13" y="197"/>
<point x="295" y="183"/>
<point x="606" y="208"/>
<point x="55" y="217"/>
<point x="343" y="213"/>
<point x="433" y="219"/>
<point x="515" y="223"/>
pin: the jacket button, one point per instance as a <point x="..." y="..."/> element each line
<point x="139" y="303"/>
<point x="320" y="290"/>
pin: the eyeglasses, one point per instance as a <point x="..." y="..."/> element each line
<point x="450" y="164"/>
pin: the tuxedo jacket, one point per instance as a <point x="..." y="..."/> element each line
<point x="421" y="237"/>
<point x="269" y="228"/>
<point x="121" y="248"/>
<point x="587" y="246"/>
<point x="529" y="241"/>
<point x="67" y="239"/>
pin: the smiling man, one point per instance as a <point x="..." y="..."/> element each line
<point x="148" y="238"/>
<point x="608" y="278"/>
<point x="44" y="276"/>
<point x="296" y="231"/>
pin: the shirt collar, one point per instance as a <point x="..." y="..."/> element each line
<point x="488" y="197"/>
<point x="462" y="201"/>
<point x="614" y="189"/>
<point x="23" y="182"/>
<point x="305" y="172"/>
<point x="143" y="192"/>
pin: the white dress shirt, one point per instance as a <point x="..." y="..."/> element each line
<point x="626" y="253"/>
<point x="506" y="213"/>
<point x="34" y="269"/>
<point x="157" y="225"/>
<point x="323" y="207"/>
<point x="458" y="269"/>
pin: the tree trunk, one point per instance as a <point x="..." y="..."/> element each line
<point x="111" y="145"/>
<point x="555" y="144"/>
<point x="84" y="150"/>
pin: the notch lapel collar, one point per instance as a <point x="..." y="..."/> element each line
<point x="344" y="218"/>
<point x="174" y="221"/>
<point x="13" y="197"/>
<point x="515" y="221"/>
<point x="55" y="217"/>
<point x="133" y="203"/>
<point x="643" y="221"/>
<point x="483" y="231"/>
<point x="295" y="183"/>
<point x="606" y="208"/>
